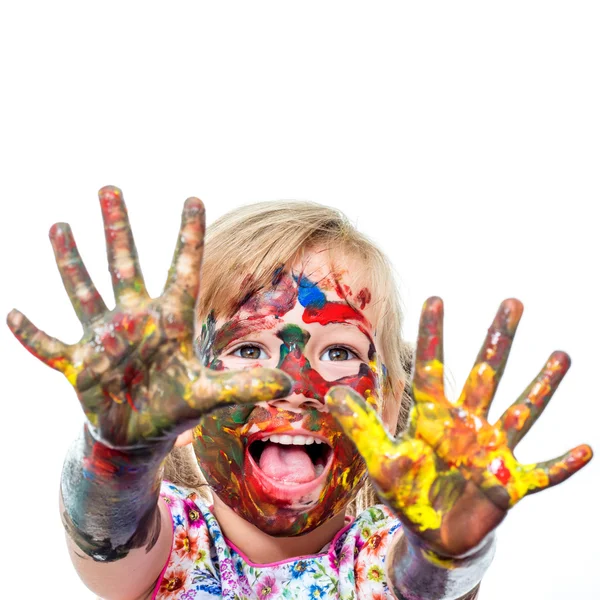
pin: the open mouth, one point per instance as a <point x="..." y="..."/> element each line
<point x="291" y="459"/>
<point x="290" y="469"/>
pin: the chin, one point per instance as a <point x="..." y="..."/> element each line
<point x="283" y="509"/>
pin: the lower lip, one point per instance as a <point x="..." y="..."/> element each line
<point x="290" y="495"/>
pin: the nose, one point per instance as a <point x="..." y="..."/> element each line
<point x="309" y="388"/>
<point x="298" y="402"/>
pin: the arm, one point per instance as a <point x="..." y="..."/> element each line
<point x="451" y="477"/>
<point x="119" y="535"/>
<point x="140" y="386"/>
<point x="416" y="573"/>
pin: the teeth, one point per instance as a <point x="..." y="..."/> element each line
<point x="300" y="440"/>
<point x="319" y="469"/>
<point x="289" y="440"/>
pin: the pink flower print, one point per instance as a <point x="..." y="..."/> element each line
<point x="193" y="514"/>
<point x="344" y="558"/>
<point x="267" y="588"/>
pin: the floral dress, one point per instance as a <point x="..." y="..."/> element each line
<point x="203" y="565"/>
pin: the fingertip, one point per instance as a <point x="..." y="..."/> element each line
<point x="285" y="380"/>
<point x="338" y="393"/>
<point x="509" y="314"/>
<point x="561" y="359"/>
<point x="581" y="455"/>
<point x="59" y="229"/>
<point x="110" y="192"/>
<point x="194" y="205"/>
<point x="14" y="319"/>
<point x="434" y="304"/>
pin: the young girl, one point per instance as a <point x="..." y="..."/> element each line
<point x="284" y="404"/>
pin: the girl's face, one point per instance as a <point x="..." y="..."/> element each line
<point x="285" y="465"/>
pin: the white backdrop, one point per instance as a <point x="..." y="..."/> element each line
<point x="463" y="137"/>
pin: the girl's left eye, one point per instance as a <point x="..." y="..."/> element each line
<point x="338" y="353"/>
<point x="250" y="351"/>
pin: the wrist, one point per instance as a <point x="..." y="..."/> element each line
<point x="417" y="573"/>
<point x="110" y="497"/>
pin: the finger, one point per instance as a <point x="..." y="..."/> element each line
<point x="361" y="424"/>
<point x="428" y="380"/>
<point x="481" y="385"/>
<point x="83" y="294"/>
<point x="540" y="476"/>
<point x="122" y="255"/>
<point x="183" y="280"/>
<point x="213" y="390"/>
<point x="49" y="350"/>
<point x="403" y="471"/>
<point x="525" y="411"/>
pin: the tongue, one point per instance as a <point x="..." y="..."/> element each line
<point x="287" y="463"/>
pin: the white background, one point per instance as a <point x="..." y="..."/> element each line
<point x="463" y="137"/>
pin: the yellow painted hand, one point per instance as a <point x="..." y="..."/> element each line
<point x="451" y="476"/>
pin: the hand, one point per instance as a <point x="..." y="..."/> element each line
<point x="134" y="369"/>
<point x="451" y="476"/>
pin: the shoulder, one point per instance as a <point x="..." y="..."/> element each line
<point x="191" y="564"/>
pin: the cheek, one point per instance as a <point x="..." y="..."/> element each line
<point x="219" y="447"/>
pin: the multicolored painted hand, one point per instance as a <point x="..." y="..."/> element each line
<point x="137" y="379"/>
<point x="134" y="369"/>
<point x="451" y="476"/>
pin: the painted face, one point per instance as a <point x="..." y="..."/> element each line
<point x="285" y="465"/>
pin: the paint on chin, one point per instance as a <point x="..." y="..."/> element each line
<point x="222" y="453"/>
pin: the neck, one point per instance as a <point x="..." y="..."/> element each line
<point x="262" y="548"/>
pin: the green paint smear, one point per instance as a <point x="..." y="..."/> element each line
<point x="313" y="420"/>
<point x="292" y="336"/>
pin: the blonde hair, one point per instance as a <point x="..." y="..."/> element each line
<point x="247" y="246"/>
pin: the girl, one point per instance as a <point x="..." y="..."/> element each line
<point x="285" y="401"/>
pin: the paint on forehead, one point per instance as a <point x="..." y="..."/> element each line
<point x="278" y="300"/>
<point x="293" y="336"/>
<point x="317" y="309"/>
<point x="334" y="312"/>
<point x="309" y="294"/>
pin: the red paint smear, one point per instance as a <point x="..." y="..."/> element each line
<point x="501" y="472"/>
<point x="102" y="461"/>
<point x="363" y="297"/>
<point x="429" y="352"/>
<point x="333" y="312"/>
<point x="310" y="384"/>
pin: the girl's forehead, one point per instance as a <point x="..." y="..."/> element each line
<point x="325" y="289"/>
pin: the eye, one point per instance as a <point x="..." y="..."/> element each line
<point x="250" y="351"/>
<point x="338" y="353"/>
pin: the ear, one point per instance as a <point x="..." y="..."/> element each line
<point x="185" y="438"/>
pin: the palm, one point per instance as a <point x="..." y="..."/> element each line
<point x="134" y="369"/>
<point x="452" y="476"/>
<point x="131" y="386"/>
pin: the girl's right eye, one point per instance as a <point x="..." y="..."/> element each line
<point x="251" y="352"/>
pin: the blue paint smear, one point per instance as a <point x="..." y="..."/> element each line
<point x="309" y="295"/>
